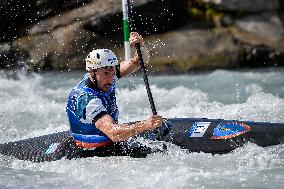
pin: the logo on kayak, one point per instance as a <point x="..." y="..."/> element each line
<point x="52" y="148"/>
<point x="230" y="130"/>
<point x="198" y="129"/>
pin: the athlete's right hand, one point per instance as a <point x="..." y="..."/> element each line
<point x="153" y="122"/>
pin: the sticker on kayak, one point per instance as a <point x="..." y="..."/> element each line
<point x="52" y="148"/>
<point x="198" y="129"/>
<point x="229" y="130"/>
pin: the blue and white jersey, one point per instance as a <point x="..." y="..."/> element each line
<point x="85" y="105"/>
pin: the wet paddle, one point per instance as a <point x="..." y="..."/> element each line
<point x="128" y="11"/>
<point x="145" y="78"/>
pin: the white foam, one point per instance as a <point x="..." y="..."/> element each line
<point x="184" y="102"/>
<point x="31" y="108"/>
<point x="28" y="106"/>
<point x="253" y="88"/>
<point x="174" y="170"/>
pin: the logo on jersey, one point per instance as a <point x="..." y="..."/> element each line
<point x="198" y="129"/>
<point x="230" y="130"/>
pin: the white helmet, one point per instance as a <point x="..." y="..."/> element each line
<point x="100" y="58"/>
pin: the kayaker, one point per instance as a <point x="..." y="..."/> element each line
<point x="91" y="108"/>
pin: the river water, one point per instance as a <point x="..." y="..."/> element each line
<point x="35" y="105"/>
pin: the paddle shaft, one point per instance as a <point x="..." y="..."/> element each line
<point x="145" y="77"/>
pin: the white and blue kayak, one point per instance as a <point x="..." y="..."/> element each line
<point x="216" y="136"/>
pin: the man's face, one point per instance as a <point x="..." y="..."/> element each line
<point x="105" y="77"/>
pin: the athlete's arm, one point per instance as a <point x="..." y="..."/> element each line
<point x="128" y="67"/>
<point x="121" y="132"/>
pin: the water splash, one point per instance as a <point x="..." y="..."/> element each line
<point x="36" y="106"/>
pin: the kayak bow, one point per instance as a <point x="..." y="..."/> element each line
<point x="215" y="136"/>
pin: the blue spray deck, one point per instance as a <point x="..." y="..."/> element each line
<point x="214" y="136"/>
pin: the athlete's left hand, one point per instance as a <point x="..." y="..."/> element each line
<point x="135" y="38"/>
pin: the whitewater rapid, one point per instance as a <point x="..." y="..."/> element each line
<point x="34" y="105"/>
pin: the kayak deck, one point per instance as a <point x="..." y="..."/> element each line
<point x="214" y="136"/>
<point x="222" y="136"/>
<point x="39" y="149"/>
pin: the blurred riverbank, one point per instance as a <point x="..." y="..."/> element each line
<point x="182" y="36"/>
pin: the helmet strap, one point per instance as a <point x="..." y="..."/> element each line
<point x="96" y="85"/>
